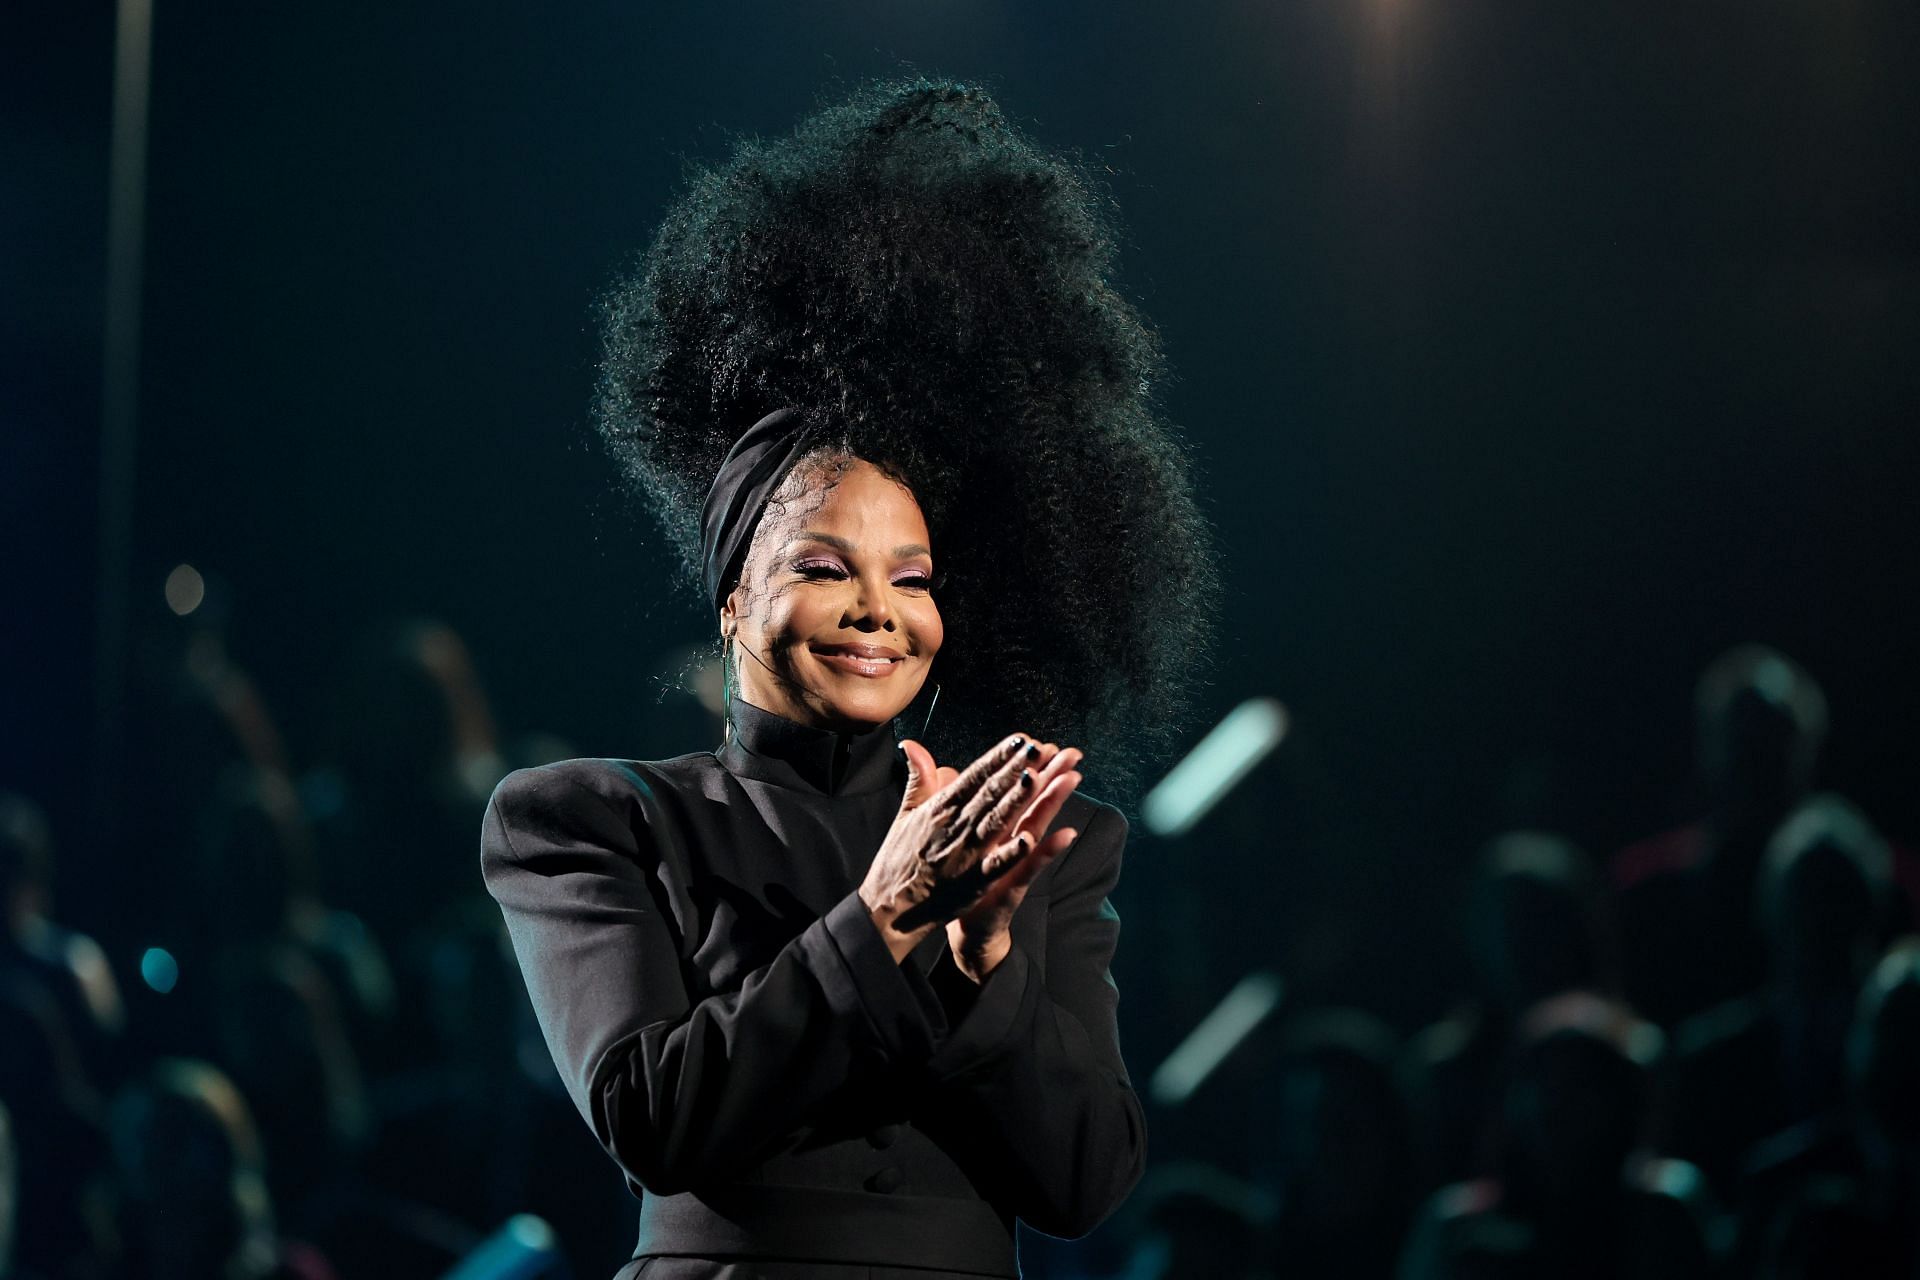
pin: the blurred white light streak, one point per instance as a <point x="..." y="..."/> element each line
<point x="1252" y="999"/>
<point x="1247" y="736"/>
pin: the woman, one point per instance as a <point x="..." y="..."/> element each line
<point x="834" y="1007"/>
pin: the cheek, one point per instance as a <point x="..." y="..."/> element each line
<point x="799" y="614"/>
<point x="929" y="632"/>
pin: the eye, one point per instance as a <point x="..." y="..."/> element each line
<point x="914" y="581"/>
<point x="819" y="570"/>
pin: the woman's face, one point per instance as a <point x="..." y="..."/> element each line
<point x="833" y="622"/>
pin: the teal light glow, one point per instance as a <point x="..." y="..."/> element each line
<point x="523" y="1248"/>
<point x="159" y="970"/>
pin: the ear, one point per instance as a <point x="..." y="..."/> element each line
<point x="729" y="615"/>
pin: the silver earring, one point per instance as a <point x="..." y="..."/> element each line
<point x="930" y="706"/>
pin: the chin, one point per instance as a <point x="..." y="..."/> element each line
<point x="858" y="714"/>
<point x="865" y="708"/>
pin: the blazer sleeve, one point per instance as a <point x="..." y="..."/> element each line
<point x="1031" y="1070"/>
<point x="680" y="1092"/>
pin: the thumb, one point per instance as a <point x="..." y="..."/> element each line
<point x="922" y="776"/>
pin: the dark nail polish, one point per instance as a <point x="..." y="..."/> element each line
<point x="1033" y="751"/>
<point x="1017" y="740"/>
<point x="1026" y="778"/>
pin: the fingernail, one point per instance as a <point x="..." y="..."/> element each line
<point x="1033" y="751"/>
<point x="1018" y="739"/>
<point x="1026" y="777"/>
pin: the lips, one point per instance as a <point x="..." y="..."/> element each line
<point x="869" y="660"/>
<point x="860" y="650"/>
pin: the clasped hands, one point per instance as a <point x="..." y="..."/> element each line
<point x="966" y="845"/>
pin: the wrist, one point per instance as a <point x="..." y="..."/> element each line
<point x="900" y="942"/>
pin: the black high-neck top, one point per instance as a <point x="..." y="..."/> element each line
<point x="799" y="757"/>
<point x="730" y="1023"/>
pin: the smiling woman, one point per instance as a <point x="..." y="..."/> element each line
<point x="836" y="1007"/>
<point x="834" y="611"/>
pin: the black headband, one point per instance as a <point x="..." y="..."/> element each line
<point x="748" y="475"/>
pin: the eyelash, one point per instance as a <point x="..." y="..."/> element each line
<point x="825" y="571"/>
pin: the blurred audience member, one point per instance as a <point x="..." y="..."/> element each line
<point x="1685" y="895"/>
<point x="486" y="1130"/>
<point x="1765" y="1062"/>
<point x="276" y="1028"/>
<point x="192" y="1200"/>
<point x="254" y="868"/>
<point x="1565" y="1200"/>
<point x="68" y="965"/>
<point x="1672" y="1225"/>
<point x="196" y="713"/>
<point x="1537" y="926"/>
<point x="1840" y="1195"/>
<point x="58" y="1135"/>
<point x="1195" y="1222"/>
<point x="411" y="760"/>
<point x="1347" y="1173"/>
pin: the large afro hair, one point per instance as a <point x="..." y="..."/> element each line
<point x="933" y="293"/>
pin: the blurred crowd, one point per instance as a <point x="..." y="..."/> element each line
<point x="1696" y="1057"/>
<point x="296" y="1045"/>
<point x="299" y="1046"/>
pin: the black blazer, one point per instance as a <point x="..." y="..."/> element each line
<point x="732" y="1027"/>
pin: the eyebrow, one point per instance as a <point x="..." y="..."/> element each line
<point x="900" y="552"/>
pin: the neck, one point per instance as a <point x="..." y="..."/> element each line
<point x="777" y="747"/>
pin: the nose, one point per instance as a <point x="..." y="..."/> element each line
<point x="872" y="608"/>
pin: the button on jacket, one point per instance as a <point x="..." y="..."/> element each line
<point x="786" y="1100"/>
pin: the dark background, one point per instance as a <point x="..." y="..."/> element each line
<point x="1531" y="355"/>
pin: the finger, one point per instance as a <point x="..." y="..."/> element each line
<point x="947" y="774"/>
<point x="1050" y="848"/>
<point x="1006" y="857"/>
<point x="1060" y="763"/>
<point x="1025" y="870"/>
<point x="1046" y="752"/>
<point x="1025" y="789"/>
<point x="922" y="775"/>
<point x="1020" y="810"/>
<point x="1046" y="805"/>
<point x="994" y="784"/>
<point x="968" y="781"/>
<point x="1009" y="805"/>
<point x="976" y="820"/>
<point x="959" y="809"/>
<point x="1016" y="863"/>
